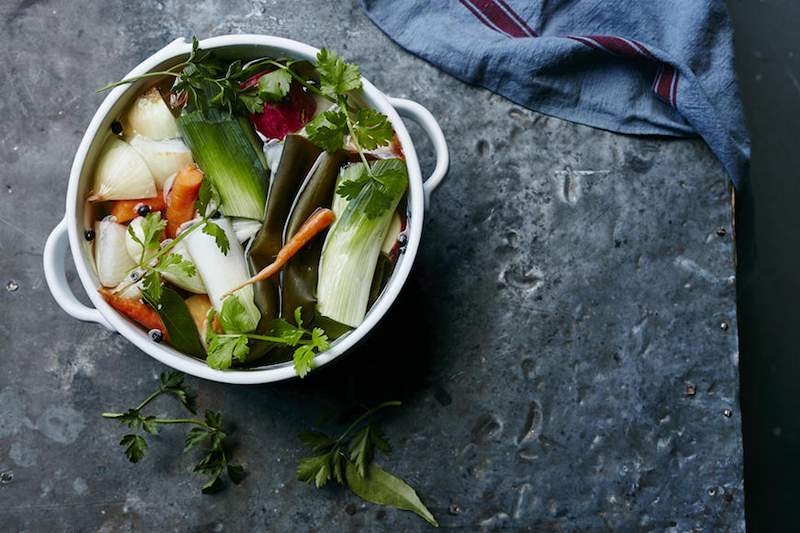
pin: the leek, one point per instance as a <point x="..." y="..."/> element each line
<point x="352" y="247"/>
<point x="222" y="272"/>
<point x="224" y="146"/>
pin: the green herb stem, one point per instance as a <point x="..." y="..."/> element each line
<point x="366" y="415"/>
<point x="183" y="421"/>
<point x="141" y="77"/>
<point x="351" y="128"/>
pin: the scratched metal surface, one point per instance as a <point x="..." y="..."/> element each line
<point x="565" y="349"/>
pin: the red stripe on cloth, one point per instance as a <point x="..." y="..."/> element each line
<point x="642" y="48"/>
<point x="478" y="15"/>
<point x="522" y="22"/>
<point x="674" y="90"/>
<point x="616" y="45"/>
<point x="584" y="40"/>
<point x="500" y="18"/>
<point x="665" y="84"/>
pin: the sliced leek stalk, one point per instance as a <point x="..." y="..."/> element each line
<point x="121" y="174"/>
<point x="224" y="146"/>
<point x="110" y="256"/>
<point x="350" y="255"/>
<point x="150" y="116"/>
<point x="222" y="272"/>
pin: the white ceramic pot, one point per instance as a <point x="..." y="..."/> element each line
<point x="70" y="230"/>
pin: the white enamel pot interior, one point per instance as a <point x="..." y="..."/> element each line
<point x="69" y="231"/>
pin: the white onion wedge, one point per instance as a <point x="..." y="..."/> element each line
<point x="128" y="291"/>
<point x="192" y="284"/>
<point x="110" y="256"/>
<point x="163" y="158"/>
<point x="121" y="174"/>
<point x="150" y="116"/>
<point x="245" y="228"/>
<point x="222" y="272"/>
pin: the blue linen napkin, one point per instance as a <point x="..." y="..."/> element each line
<point x="654" y="67"/>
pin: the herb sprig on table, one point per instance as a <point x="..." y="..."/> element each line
<point x="348" y="459"/>
<point x="206" y="431"/>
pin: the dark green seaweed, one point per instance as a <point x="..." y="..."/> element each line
<point x="297" y="159"/>
<point x="300" y="274"/>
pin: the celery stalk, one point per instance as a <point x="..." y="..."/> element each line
<point x="223" y="147"/>
<point x="350" y="254"/>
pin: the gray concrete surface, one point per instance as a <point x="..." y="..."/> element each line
<point x="559" y="348"/>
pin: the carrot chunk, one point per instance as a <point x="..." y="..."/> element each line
<point x="317" y="222"/>
<point x="136" y="310"/>
<point x="182" y="197"/>
<point x="126" y="210"/>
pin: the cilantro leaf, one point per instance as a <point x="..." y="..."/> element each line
<point x="204" y="197"/>
<point x="194" y="438"/>
<point x="274" y="86"/>
<point x="175" y="264"/>
<point x="361" y="449"/>
<point x="152" y="230"/>
<point x="224" y="349"/>
<point x="381" y="188"/>
<point x="372" y="129"/>
<point x="303" y="360"/>
<point x="235" y="473"/>
<point x="318" y="469"/>
<point x="328" y="130"/>
<point x="219" y="236"/>
<point x="234" y="315"/>
<point x="172" y="383"/>
<point x="135" y="447"/>
<point x="151" y="288"/>
<point x="252" y="102"/>
<point x="316" y="440"/>
<point x="336" y="77"/>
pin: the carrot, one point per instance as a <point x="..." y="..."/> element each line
<point x="136" y="310"/>
<point x="125" y="210"/>
<point x="182" y="196"/>
<point x="318" y="221"/>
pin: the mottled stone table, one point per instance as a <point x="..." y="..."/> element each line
<point x="565" y="348"/>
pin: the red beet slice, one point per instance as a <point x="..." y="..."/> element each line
<point x="287" y="116"/>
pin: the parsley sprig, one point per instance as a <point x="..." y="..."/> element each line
<point x="364" y="128"/>
<point x="348" y="459"/>
<point x="225" y="348"/>
<point x="156" y="260"/>
<point x="207" y="430"/>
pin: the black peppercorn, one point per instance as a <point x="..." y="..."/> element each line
<point x="88" y="234"/>
<point x="116" y="127"/>
<point x="142" y="210"/>
<point x="156" y="335"/>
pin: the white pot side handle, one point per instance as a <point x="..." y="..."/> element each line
<point x="423" y="117"/>
<point x="55" y="248"/>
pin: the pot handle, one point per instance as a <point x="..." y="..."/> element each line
<point x="423" y="117"/>
<point x="55" y="248"/>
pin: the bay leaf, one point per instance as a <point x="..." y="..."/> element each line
<point x="382" y="488"/>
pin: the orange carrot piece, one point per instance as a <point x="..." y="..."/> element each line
<point x="125" y="210"/>
<point x="318" y="221"/>
<point x="182" y="197"/>
<point x="136" y="310"/>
